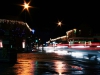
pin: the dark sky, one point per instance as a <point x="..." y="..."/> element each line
<point x="45" y="14"/>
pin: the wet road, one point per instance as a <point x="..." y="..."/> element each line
<point x="48" y="64"/>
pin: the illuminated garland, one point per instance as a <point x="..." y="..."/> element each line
<point x="15" y="22"/>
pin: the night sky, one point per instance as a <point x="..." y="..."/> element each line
<point x="45" y="14"/>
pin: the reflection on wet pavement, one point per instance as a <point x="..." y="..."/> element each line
<point x="48" y="64"/>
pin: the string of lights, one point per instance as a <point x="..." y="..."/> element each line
<point x="15" y="22"/>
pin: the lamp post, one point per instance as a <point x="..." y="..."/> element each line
<point x="59" y="24"/>
<point x="26" y="7"/>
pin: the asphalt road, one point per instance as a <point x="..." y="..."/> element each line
<point x="48" y="64"/>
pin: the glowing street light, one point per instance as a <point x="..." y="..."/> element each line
<point x="26" y="6"/>
<point x="59" y="23"/>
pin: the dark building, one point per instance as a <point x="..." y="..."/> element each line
<point x="13" y="33"/>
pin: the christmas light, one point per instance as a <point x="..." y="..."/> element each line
<point x="15" y="22"/>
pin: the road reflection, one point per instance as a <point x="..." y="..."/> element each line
<point x="60" y="67"/>
<point x="29" y="66"/>
<point x="24" y="67"/>
<point x="49" y="64"/>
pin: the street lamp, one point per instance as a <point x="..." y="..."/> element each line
<point x="59" y="23"/>
<point x="26" y="6"/>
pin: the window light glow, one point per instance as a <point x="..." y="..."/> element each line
<point x="1" y="45"/>
<point x="23" y="44"/>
